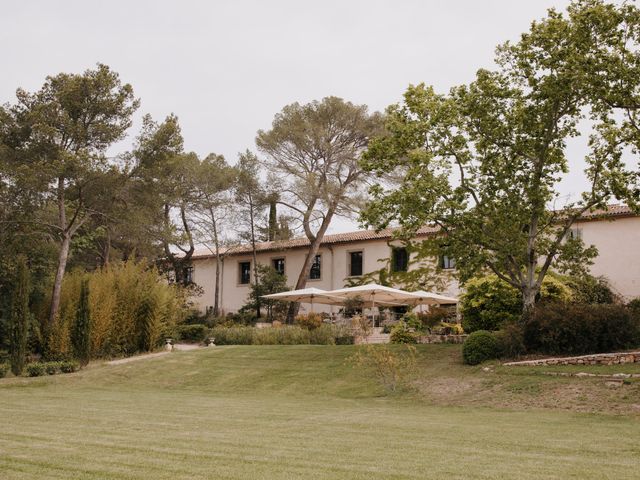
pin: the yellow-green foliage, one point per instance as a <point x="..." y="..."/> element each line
<point x="131" y="306"/>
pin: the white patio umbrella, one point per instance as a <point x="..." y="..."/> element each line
<point x="430" y="298"/>
<point x="305" y="295"/>
<point x="374" y="295"/>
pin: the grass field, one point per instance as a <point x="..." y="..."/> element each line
<point x="288" y="412"/>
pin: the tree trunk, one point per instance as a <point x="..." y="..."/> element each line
<point x="63" y="255"/>
<point x="255" y="255"/>
<point x="314" y="247"/>
<point x="528" y="302"/>
<point x="216" y="243"/>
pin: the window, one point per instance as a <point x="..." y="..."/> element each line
<point x="447" y="263"/>
<point x="575" y="233"/>
<point x="316" y="268"/>
<point x="399" y="259"/>
<point x="278" y="265"/>
<point x="187" y="275"/>
<point x="355" y="264"/>
<point x="244" y="272"/>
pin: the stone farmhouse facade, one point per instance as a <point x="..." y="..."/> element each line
<point x="615" y="232"/>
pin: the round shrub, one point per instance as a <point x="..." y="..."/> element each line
<point x="4" y="368"/>
<point x="480" y="346"/>
<point x="35" y="369"/>
<point x="401" y="334"/>
<point x="69" y="366"/>
<point x="310" y="321"/>
<point x="196" y="332"/>
<point x="51" y="367"/>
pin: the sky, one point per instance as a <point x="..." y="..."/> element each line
<point x="225" y="68"/>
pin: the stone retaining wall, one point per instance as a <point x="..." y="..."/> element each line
<point x="595" y="359"/>
<point x="442" y="338"/>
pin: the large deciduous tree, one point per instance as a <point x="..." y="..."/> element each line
<point x="214" y="182"/>
<point x="315" y="150"/>
<point x="54" y="142"/>
<point x="483" y="162"/>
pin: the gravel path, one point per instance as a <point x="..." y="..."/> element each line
<point x="177" y="346"/>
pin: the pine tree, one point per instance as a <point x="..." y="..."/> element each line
<point x="81" y="333"/>
<point x="20" y="317"/>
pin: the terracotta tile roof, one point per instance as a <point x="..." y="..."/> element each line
<point x="617" y="210"/>
<point x="301" y="242"/>
<point x="386" y="234"/>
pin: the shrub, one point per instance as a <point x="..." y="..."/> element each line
<point x="401" y="334"/>
<point x="4" y="368"/>
<point x="51" y="367"/>
<point x="489" y="302"/>
<point x="131" y="305"/>
<point x="411" y="320"/>
<point x="69" y="366"/>
<point x="81" y="328"/>
<point x="345" y="339"/>
<point x="634" y="305"/>
<point x="448" y="329"/>
<point x="510" y="340"/>
<point x="361" y="326"/>
<point x="481" y="345"/>
<point x="238" y="335"/>
<point x="192" y="333"/>
<point x="310" y="321"/>
<point x="574" y="329"/>
<point x="589" y="290"/>
<point x="35" y="369"/>
<point x="391" y="367"/>
<point x="435" y="316"/>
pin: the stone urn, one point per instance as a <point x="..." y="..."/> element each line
<point x="168" y="346"/>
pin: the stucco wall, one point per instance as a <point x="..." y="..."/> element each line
<point x="334" y="271"/>
<point x="618" y="243"/>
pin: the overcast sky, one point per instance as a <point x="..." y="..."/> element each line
<point x="226" y="67"/>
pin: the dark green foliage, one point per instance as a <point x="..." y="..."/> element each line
<point x="269" y="281"/>
<point x="589" y="290"/>
<point x="81" y="330"/>
<point x="69" y="366"/>
<point x="36" y="369"/>
<point x="4" y="368"/>
<point x="570" y="329"/>
<point x="510" y="340"/>
<point x="480" y="346"/>
<point x="401" y="334"/>
<point x="635" y="305"/>
<point x="192" y="333"/>
<point x="345" y="339"/>
<point x="489" y="303"/>
<point x="147" y="323"/>
<point x="20" y="318"/>
<point x="52" y="367"/>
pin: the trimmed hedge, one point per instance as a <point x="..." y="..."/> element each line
<point x="569" y="329"/>
<point x="480" y="346"/>
<point x="196" y="332"/>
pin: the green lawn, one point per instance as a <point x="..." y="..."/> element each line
<point x="288" y="412"/>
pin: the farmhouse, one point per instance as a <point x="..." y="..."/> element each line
<point x="615" y="232"/>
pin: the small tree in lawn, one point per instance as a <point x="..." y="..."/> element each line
<point x="314" y="149"/>
<point x="81" y="331"/>
<point x="20" y="317"/>
<point x="483" y="161"/>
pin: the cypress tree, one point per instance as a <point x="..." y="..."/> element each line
<point x="20" y="317"/>
<point x="81" y="332"/>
